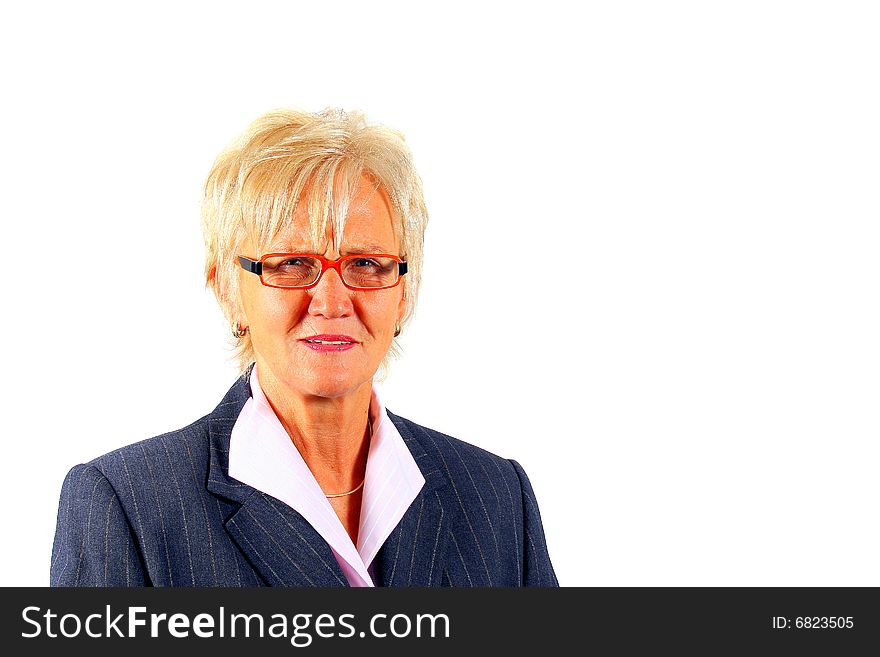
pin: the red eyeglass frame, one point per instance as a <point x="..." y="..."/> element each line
<point x="256" y="267"/>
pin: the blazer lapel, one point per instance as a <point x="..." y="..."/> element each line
<point x="284" y="548"/>
<point x="278" y="542"/>
<point x="414" y="552"/>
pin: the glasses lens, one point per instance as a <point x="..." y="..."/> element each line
<point x="369" y="271"/>
<point x="291" y="271"/>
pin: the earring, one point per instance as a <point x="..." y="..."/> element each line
<point x="396" y="329"/>
<point x="238" y="332"/>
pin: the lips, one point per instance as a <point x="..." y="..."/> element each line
<point x="331" y="338"/>
<point x="328" y="342"/>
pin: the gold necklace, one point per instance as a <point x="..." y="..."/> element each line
<point x="358" y="487"/>
<point x="349" y="492"/>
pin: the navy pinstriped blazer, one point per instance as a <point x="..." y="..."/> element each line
<point x="165" y="512"/>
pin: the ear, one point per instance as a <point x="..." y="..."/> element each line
<point x="229" y="309"/>
<point x="401" y="305"/>
<point x="213" y="283"/>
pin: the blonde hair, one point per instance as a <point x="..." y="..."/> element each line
<point x="287" y="157"/>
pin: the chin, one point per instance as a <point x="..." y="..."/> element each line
<point x="333" y="383"/>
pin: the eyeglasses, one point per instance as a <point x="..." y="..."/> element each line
<point x="367" y="271"/>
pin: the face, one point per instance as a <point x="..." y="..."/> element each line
<point x="280" y="320"/>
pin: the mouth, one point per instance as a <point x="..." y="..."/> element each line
<point x="328" y="338"/>
<point x="330" y="342"/>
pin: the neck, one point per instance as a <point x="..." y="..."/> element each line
<point x="330" y="433"/>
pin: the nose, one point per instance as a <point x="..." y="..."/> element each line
<point x="330" y="298"/>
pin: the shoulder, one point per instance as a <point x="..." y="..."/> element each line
<point x="142" y="474"/>
<point x="440" y="441"/>
<point x="459" y="459"/>
<point x="134" y="460"/>
<point x="187" y="449"/>
<point x="158" y="484"/>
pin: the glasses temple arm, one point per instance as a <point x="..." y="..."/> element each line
<point x="253" y="266"/>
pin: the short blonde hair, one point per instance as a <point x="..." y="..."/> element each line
<point x="286" y="157"/>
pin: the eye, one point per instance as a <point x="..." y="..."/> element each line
<point x="290" y="265"/>
<point x="365" y="262"/>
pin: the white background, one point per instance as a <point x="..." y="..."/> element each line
<point x="688" y="370"/>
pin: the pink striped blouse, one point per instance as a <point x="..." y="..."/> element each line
<point x="263" y="456"/>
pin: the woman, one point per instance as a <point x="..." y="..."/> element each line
<point x="300" y="477"/>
